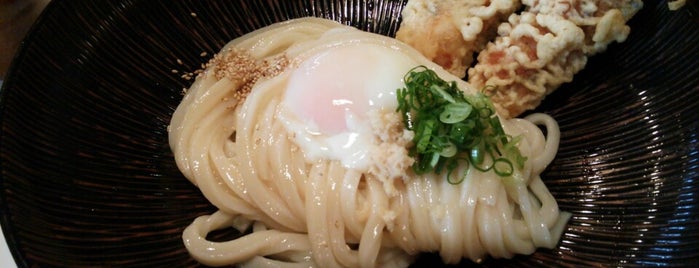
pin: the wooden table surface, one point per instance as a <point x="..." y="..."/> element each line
<point x="16" y="17"/>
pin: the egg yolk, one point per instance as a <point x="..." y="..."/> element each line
<point x="337" y="87"/>
<point x="330" y="94"/>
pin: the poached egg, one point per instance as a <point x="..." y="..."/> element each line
<point x="331" y="95"/>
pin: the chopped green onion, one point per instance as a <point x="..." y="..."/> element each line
<point x="455" y="112"/>
<point x="448" y="151"/>
<point x="440" y="92"/>
<point x="503" y="167"/>
<point x="476" y="156"/>
<point x="452" y="128"/>
<point x="453" y="164"/>
<point x="424" y="134"/>
<point x="435" y="160"/>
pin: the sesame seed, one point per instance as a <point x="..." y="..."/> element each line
<point x="240" y="67"/>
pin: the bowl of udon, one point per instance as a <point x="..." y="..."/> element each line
<point x="353" y="133"/>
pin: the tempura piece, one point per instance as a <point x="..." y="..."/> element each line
<point x="533" y="55"/>
<point x="524" y="70"/>
<point x="603" y="21"/>
<point x="448" y="32"/>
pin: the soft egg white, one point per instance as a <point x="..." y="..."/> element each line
<point x="330" y="94"/>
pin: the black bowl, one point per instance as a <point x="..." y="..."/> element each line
<point x="88" y="178"/>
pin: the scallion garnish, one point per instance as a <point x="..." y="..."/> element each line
<point x="452" y="128"/>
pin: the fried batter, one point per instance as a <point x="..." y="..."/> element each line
<point x="532" y="53"/>
<point x="545" y="46"/>
<point x="448" y="32"/>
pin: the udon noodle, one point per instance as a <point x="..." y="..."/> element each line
<point x="233" y="138"/>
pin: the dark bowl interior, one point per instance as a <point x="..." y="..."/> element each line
<point x="88" y="179"/>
